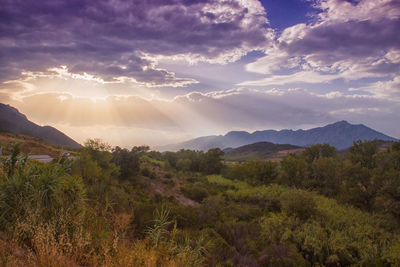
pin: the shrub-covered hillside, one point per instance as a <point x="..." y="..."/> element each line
<point x="119" y="207"/>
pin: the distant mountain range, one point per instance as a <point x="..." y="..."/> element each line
<point x="11" y="120"/>
<point x="340" y="135"/>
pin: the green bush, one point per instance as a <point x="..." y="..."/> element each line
<point x="299" y="204"/>
<point x="195" y="192"/>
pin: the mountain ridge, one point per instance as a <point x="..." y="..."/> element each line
<point x="11" y="120"/>
<point x="340" y="134"/>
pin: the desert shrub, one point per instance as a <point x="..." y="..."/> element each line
<point x="195" y="192"/>
<point x="145" y="171"/>
<point x="267" y="196"/>
<point x="221" y="181"/>
<point x="333" y="235"/>
<point x="299" y="204"/>
<point x="254" y="172"/>
<point x="281" y="255"/>
<point x="170" y="183"/>
<point x="240" y="235"/>
<point x="183" y="164"/>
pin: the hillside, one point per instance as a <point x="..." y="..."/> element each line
<point x="190" y="208"/>
<point x="29" y="145"/>
<point x="260" y="150"/>
<point x="340" y="135"/>
<point x="11" y="120"/>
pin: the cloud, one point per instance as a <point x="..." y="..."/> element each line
<point x="330" y="42"/>
<point x="339" y="10"/>
<point x="82" y="64"/>
<point x="383" y="89"/>
<point x="350" y="40"/>
<point x="53" y="108"/>
<point x="274" y="60"/>
<point x="298" y="77"/>
<point x="196" y="113"/>
<point x="114" y="39"/>
<point x="366" y="29"/>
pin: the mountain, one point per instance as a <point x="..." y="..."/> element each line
<point x="260" y="150"/>
<point x="340" y="135"/>
<point x="11" y="120"/>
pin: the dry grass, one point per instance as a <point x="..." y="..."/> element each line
<point x="48" y="252"/>
<point x="50" y="245"/>
<point x="30" y="145"/>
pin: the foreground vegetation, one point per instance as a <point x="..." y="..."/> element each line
<point x="119" y="207"/>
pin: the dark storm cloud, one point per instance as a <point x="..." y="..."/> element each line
<point x="332" y="42"/>
<point x="347" y="31"/>
<point x="109" y="38"/>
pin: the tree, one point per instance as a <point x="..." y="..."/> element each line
<point x="212" y="161"/>
<point x="363" y="153"/>
<point x="294" y="170"/>
<point x="317" y="151"/>
<point x="388" y="196"/>
<point x="128" y="161"/>
<point x="184" y="164"/>
<point x="171" y="158"/>
<point x="324" y="176"/>
<point x="358" y="187"/>
<point x="96" y="168"/>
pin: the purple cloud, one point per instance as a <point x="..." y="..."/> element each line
<point x="362" y="32"/>
<point x="331" y="42"/>
<point x="112" y="38"/>
<point x="345" y="40"/>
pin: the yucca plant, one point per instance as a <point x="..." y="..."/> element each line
<point x="43" y="190"/>
<point x="159" y="231"/>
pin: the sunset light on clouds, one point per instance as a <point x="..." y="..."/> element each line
<point x="163" y="71"/>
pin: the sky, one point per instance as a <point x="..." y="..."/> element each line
<point x="157" y="72"/>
